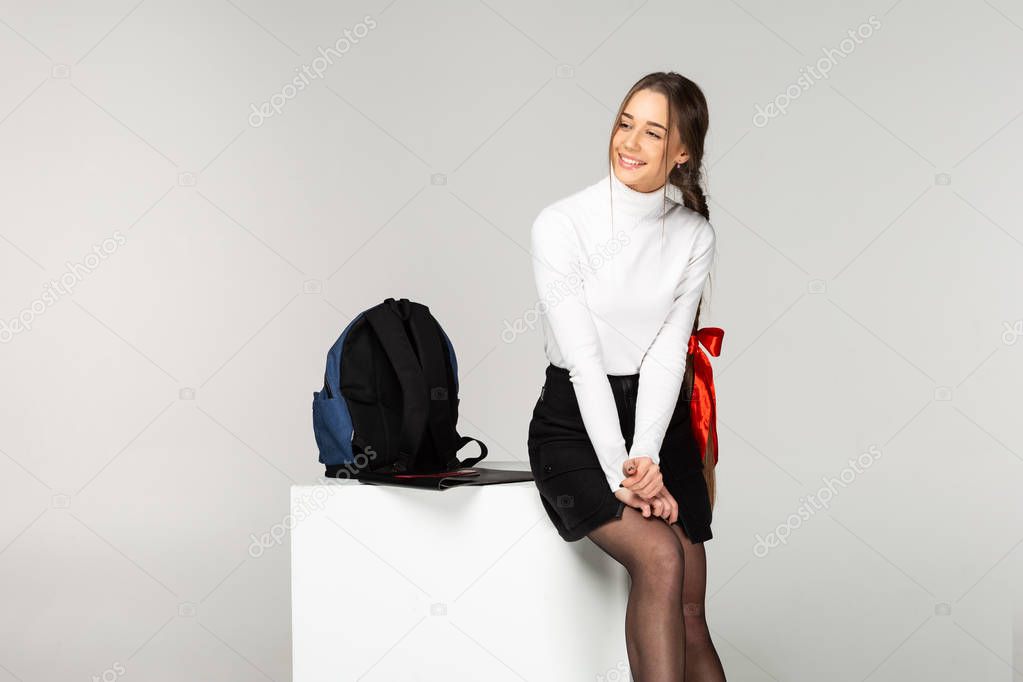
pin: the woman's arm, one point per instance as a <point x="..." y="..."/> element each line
<point x="664" y="363"/>
<point x="556" y="248"/>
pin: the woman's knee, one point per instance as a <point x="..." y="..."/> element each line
<point x="664" y="561"/>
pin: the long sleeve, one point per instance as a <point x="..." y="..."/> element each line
<point x="556" y="251"/>
<point x="663" y="366"/>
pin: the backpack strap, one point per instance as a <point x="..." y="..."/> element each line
<point x="427" y="341"/>
<point x="465" y="440"/>
<point x="416" y="408"/>
<point x="426" y="334"/>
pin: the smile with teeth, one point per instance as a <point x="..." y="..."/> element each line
<point x="630" y="163"/>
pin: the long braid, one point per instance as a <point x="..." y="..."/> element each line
<point x="688" y="181"/>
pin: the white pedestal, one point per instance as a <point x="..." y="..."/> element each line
<point x="471" y="583"/>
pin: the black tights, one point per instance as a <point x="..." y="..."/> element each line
<point x="666" y="632"/>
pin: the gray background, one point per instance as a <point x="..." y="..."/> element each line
<point x="868" y="280"/>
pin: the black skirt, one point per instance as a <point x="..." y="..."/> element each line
<point x="572" y="486"/>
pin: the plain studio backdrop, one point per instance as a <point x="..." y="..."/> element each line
<point x="197" y="197"/>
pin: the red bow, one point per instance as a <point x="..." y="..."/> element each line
<point x="703" y="412"/>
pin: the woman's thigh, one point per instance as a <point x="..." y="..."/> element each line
<point x="641" y="543"/>
<point x="636" y="540"/>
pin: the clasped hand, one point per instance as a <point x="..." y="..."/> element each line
<point x="644" y="489"/>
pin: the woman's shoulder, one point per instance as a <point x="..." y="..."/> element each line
<point x="571" y="206"/>
<point x="694" y="220"/>
<point x="565" y="214"/>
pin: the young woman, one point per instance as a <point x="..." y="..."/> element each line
<point x="621" y="265"/>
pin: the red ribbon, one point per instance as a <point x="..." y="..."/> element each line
<point x="703" y="412"/>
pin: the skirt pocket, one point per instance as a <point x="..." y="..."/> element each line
<point x="569" y="477"/>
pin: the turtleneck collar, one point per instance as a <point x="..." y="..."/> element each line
<point x="627" y="201"/>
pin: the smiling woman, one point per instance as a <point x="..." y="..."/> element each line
<point x="610" y="442"/>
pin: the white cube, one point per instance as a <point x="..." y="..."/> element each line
<point x="470" y="583"/>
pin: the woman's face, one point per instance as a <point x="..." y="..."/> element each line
<point x="638" y="144"/>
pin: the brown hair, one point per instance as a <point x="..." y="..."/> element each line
<point x="688" y="118"/>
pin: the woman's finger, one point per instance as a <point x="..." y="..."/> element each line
<point x="651" y="489"/>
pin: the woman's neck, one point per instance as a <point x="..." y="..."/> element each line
<point x="627" y="201"/>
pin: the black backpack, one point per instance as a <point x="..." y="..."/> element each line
<point x="389" y="402"/>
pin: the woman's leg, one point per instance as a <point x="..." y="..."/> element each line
<point x="701" y="660"/>
<point x="652" y="555"/>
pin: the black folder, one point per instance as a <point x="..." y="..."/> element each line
<point x="446" y="479"/>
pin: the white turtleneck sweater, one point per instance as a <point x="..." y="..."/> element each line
<point x="621" y="302"/>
